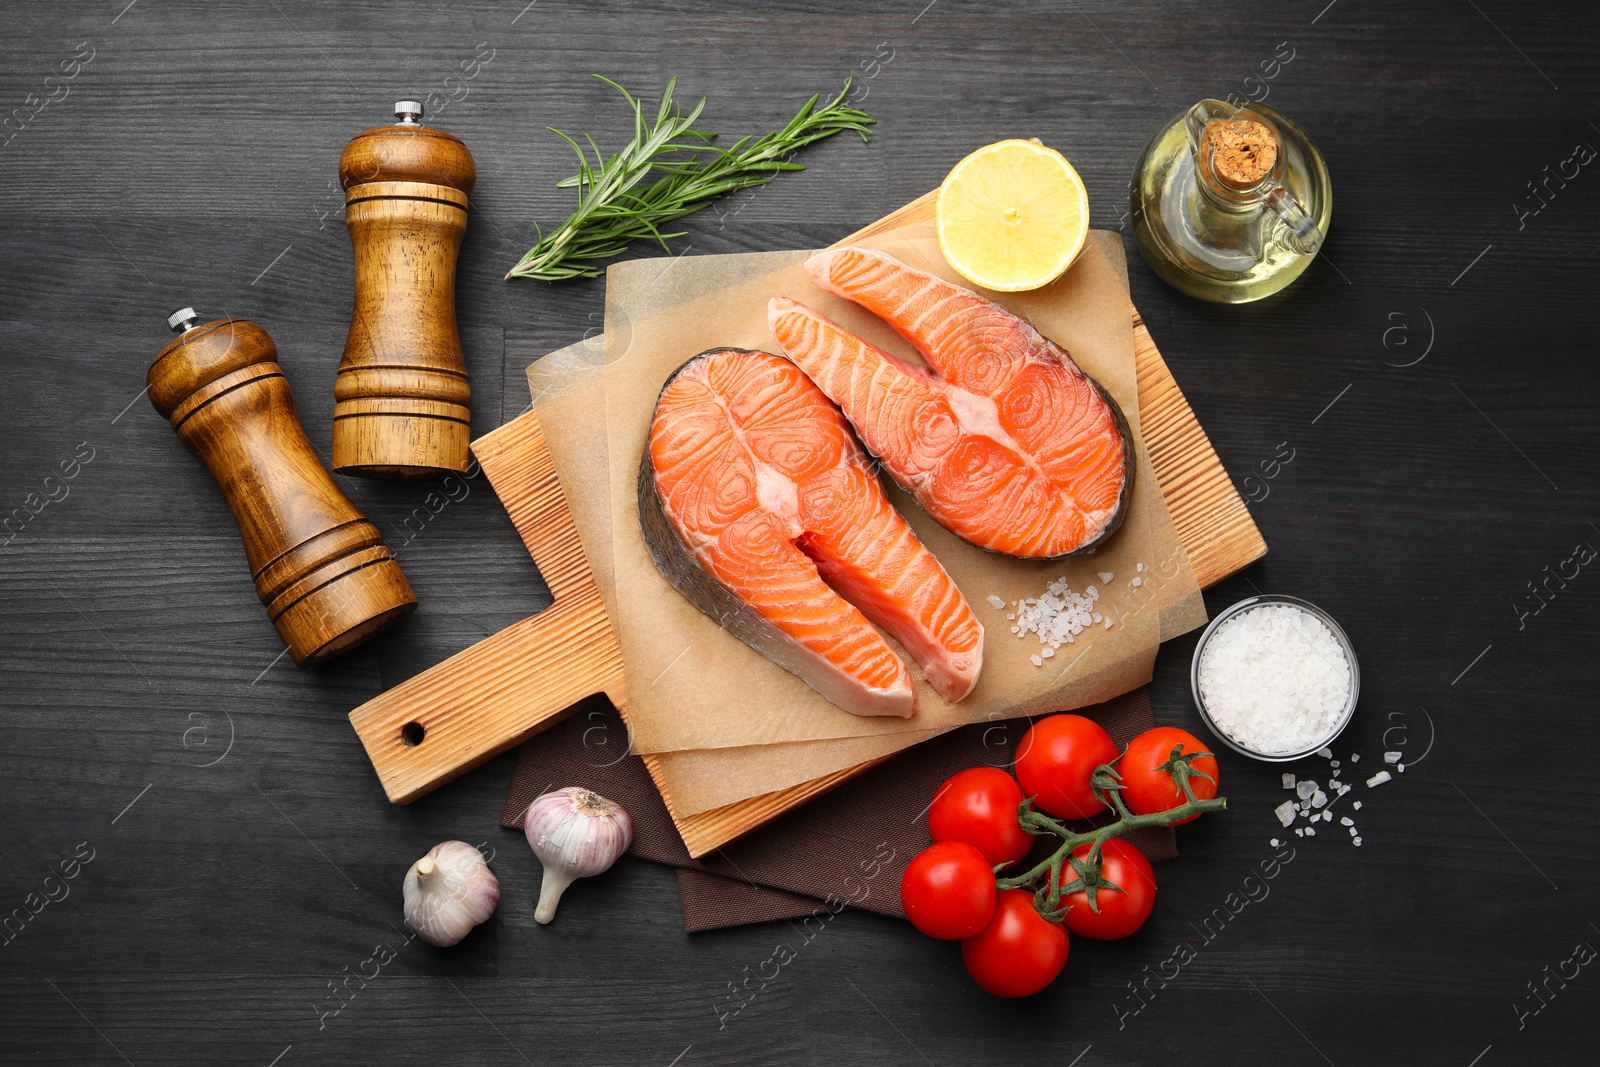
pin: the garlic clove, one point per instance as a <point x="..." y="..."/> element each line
<point x="448" y="892"/>
<point x="576" y="833"/>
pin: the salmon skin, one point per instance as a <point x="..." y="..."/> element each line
<point x="1004" y="441"/>
<point x="759" y="506"/>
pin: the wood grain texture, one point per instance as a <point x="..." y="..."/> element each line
<point x="194" y="162"/>
<point x="501" y="691"/>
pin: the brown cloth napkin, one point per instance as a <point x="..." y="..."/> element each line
<point x="848" y="847"/>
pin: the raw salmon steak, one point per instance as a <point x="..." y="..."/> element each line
<point x="1001" y="438"/>
<point x="758" y="504"/>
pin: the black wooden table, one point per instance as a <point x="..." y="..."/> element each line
<point x="234" y="860"/>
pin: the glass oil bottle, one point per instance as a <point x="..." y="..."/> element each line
<point x="1230" y="204"/>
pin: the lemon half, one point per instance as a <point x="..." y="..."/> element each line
<point x="1012" y="216"/>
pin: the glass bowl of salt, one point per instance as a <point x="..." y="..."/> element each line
<point x="1275" y="678"/>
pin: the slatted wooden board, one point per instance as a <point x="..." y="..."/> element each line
<point x="506" y="688"/>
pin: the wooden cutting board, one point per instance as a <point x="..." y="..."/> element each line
<point x="506" y="688"/>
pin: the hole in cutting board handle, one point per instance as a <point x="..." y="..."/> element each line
<point x="412" y="733"/>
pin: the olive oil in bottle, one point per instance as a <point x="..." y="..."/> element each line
<point x="1230" y="204"/>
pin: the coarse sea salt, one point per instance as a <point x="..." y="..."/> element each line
<point x="1275" y="679"/>
<point x="1058" y="616"/>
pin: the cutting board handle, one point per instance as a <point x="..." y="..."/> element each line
<point x="506" y="688"/>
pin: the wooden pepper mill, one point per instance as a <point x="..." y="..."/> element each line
<point x="401" y="397"/>
<point x="322" y="570"/>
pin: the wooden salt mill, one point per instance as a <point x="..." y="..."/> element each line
<point x="401" y="397"/>
<point x="320" y="567"/>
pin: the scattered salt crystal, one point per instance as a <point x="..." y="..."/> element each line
<point x="1304" y="789"/>
<point x="1108" y="624"/>
<point x="1355" y="757"/>
<point x="1378" y="779"/>
<point x="1275" y="679"/>
<point x="1137" y="582"/>
<point x="1036" y="661"/>
<point x="1325" y="752"/>
<point x="1106" y="576"/>
<point x="1047" y="653"/>
<point x="1327" y="816"/>
<point x="1013" y="629"/>
<point x="1345" y="820"/>
<point x="1285" y="812"/>
<point x="1139" y="568"/>
<point x="1318" y="799"/>
<point x="1343" y="789"/>
<point x="1391" y="757"/>
<point x="1058" y="614"/>
<point x="1274" y="842"/>
<point x="1299" y="831"/>
<point x="1335" y="785"/>
<point x="1356" y="841"/>
<point x="1358" y="805"/>
<point x="1288" y="781"/>
<point x="1352" y="831"/>
<point x="1334" y="764"/>
<point x="995" y="602"/>
<point x="1310" y="832"/>
<point x="1401" y="767"/>
<point x="1098" y="617"/>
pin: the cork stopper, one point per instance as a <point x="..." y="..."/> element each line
<point x="1242" y="151"/>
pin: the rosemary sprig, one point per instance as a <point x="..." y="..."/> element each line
<point x="689" y="171"/>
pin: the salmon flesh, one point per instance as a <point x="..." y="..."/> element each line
<point x="760" y="507"/>
<point x="1001" y="437"/>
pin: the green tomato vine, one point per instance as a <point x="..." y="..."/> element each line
<point x="1045" y="877"/>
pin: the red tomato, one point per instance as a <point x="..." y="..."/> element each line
<point x="1147" y="790"/>
<point x="948" y="891"/>
<point x="1056" y="758"/>
<point x="1122" y="910"/>
<point x="1019" y="952"/>
<point x="979" y="806"/>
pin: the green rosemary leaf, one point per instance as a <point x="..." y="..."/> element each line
<point x="669" y="170"/>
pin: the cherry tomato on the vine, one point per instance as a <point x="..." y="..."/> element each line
<point x="979" y="806"/>
<point x="1122" y="910"/>
<point x="1055" y="760"/>
<point x="1019" y="952"/>
<point x="1146" y="789"/>
<point x="948" y="890"/>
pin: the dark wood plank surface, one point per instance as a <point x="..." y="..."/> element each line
<point x="244" y="858"/>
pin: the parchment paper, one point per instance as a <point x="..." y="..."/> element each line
<point x="567" y="395"/>
<point x="691" y="685"/>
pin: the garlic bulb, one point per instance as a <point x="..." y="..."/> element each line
<point x="448" y="892"/>
<point x="576" y="834"/>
